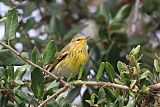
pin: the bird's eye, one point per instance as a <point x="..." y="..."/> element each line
<point x="78" y="39"/>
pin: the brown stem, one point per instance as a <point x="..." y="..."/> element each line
<point x="54" y="95"/>
<point x="100" y="83"/>
<point x="154" y="86"/>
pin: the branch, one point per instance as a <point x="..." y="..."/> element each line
<point x="31" y="63"/>
<point x="108" y="84"/>
<point x="100" y="83"/>
<point x="135" y="18"/>
<point x="54" y="95"/>
<point x="154" y="87"/>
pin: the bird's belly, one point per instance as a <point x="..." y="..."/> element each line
<point x="70" y="66"/>
<point x="66" y="70"/>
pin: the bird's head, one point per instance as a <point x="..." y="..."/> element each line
<point x="79" y="41"/>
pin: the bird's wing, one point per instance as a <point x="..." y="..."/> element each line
<point x="59" y="57"/>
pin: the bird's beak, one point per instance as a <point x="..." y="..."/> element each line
<point x="87" y="37"/>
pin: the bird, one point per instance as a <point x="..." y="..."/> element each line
<point x="68" y="61"/>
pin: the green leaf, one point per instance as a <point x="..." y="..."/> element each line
<point x="2" y="72"/>
<point x="73" y="94"/>
<point x="53" y="84"/>
<point x="157" y="65"/>
<point x="145" y="73"/>
<point x="103" y="14"/>
<point x="133" y="82"/>
<point x="93" y="96"/>
<point x="100" y="70"/>
<point x="81" y="71"/>
<point x="9" y="58"/>
<point x="138" y="40"/>
<point x="110" y="71"/>
<point x="51" y="88"/>
<point x="118" y="81"/>
<point x="35" y="55"/>
<point x="117" y="28"/>
<point x="20" y="72"/>
<point x="10" y="72"/>
<point x="11" y="24"/>
<point x="122" y="67"/>
<point x="20" y="82"/>
<point x="123" y="13"/>
<point x="22" y="96"/>
<point x="110" y="95"/>
<point x="86" y="96"/>
<point x="49" y="52"/>
<point x="33" y="101"/>
<point x="135" y="50"/>
<point x="131" y="102"/>
<point x="48" y="92"/>
<point x="89" y="102"/>
<point x="145" y="89"/>
<point x="37" y="82"/>
<point x="25" y="55"/>
<point x="101" y="93"/>
<point x="4" y="100"/>
<point x="124" y="72"/>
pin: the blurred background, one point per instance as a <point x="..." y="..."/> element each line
<point x="114" y="27"/>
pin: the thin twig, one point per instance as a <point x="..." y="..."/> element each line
<point x="54" y="95"/>
<point x="100" y="83"/>
<point x="31" y="63"/>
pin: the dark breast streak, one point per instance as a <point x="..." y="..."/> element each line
<point x="80" y="54"/>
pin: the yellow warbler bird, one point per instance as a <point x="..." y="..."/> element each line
<point x="67" y="62"/>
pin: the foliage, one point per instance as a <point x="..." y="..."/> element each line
<point x="23" y="84"/>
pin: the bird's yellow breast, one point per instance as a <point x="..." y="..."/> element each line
<point x="74" y="59"/>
